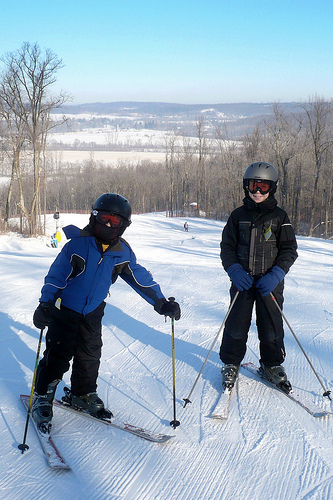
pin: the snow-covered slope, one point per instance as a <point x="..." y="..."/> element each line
<point x="268" y="449"/>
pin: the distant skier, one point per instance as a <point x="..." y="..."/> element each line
<point x="72" y="305"/>
<point x="258" y="248"/>
<point x="186" y="227"/>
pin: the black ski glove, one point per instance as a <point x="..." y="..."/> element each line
<point x="167" y="308"/>
<point x="43" y="315"/>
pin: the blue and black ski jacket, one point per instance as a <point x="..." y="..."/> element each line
<point x="81" y="275"/>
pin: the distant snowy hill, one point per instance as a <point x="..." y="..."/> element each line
<point x="165" y="108"/>
<point x="241" y="117"/>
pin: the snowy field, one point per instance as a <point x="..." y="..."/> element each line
<point x="109" y="136"/>
<point x="269" y="449"/>
<point x="113" y="158"/>
<point x="140" y="144"/>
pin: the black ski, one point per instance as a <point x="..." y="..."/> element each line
<point x="137" y="431"/>
<point x="308" y="406"/>
<point x="52" y="454"/>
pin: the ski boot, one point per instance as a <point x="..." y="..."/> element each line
<point x="229" y="375"/>
<point x="41" y="409"/>
<point x="91" y="403"/>
<point x="276" y="375"/>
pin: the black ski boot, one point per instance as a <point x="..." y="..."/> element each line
<point x="41" y="409"/>
<point x="229" y="375"/>
<point x="91" y="403"/>
<point x="276" y="375"/>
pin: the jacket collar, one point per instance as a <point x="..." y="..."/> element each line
<point x="263" y="207"/>
<point x="72" y="231"/>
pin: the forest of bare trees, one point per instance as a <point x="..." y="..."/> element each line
<point x="299" y="145"/>
<point x="201" y="176"/>
<point x="25" y="107"/>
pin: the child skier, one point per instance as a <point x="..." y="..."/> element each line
<point x="258" y="248"/>
<point x="72" y="305"/>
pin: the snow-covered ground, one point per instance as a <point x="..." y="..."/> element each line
<point x="139" y="145"/>
<point x="269" y="448"/>
<point x="111" y="158"/>
<point x="109" y="136"/>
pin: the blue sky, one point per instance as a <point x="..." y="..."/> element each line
<point x="186" y="51"/>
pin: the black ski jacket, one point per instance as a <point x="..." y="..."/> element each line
<point x="258" y="236"/>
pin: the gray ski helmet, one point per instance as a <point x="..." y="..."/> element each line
<point x="115" y="204"/>
<point x="263" y="171"/>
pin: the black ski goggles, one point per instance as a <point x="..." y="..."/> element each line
<point x="106" y="218"/>
<point x="254" y="185"/>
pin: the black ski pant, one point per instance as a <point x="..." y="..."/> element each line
<point x="72" y="335"/>
<point x="269" y="326"/>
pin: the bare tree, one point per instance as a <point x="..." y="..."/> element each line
<point x="16" y="136"/>
<point x="284" y="137"/>
<point x="202" y="192"/>
<point x="252" y="142"/>
<point x="171" y="171"/>
<point x="25" y="96"/>
<point x="227" y="181"/>
<point x="318" y="114"/>
<point x="186" y="162"/>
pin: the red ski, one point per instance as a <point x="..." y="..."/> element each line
<point x="52" y="454"/>
<point x="137" y="431"/>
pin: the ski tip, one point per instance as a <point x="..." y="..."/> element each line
<point x="63" y="466"/>
<point x="217" y="416"/>
<point x="165" y="437"/>
<point x="320" y="414"/>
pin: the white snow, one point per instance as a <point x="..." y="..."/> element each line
<point x="269" y="448"/>
<point x="110" y="158"/>
<point x="110" y="136"/>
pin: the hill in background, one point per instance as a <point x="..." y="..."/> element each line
<point x="237" y="119"/>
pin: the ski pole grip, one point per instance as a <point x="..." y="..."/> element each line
<point x="172" y="301"/>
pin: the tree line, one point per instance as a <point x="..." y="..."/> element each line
<point x="200" y="176"/>
<point x="25" y="107"/>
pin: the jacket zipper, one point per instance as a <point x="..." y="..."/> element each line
<point x="251" y="253"/>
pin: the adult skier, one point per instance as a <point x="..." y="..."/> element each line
<point x="72" y="305"/>
<point x="258" y="248"/>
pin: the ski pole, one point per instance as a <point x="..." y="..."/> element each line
<point x="23" y="446"/>
<point x="173" y="422"/>
<point x="187" y="400"/>
<point x="326" y="392"/>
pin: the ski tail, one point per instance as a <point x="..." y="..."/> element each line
<point x="51" y="451"/>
